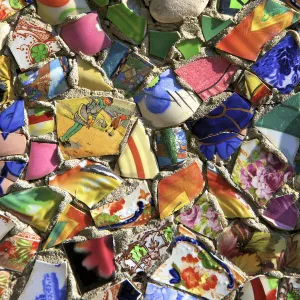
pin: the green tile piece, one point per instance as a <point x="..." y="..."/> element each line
<point x="129" y="23"/>
<point x="237" y="4"/>
<point x="101" y="3"/>
<point x="161" y="42"/>
<point x="189" y="48"/>
<point x="211" y="26"/>
<point x="284" y="117"/>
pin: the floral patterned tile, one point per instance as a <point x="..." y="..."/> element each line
<point x="4" y="283"/>
<point x="260" y="172"/>
<point x="130" y="211"/>
<point x="70" y="222"/>
<point x="32" y="43"/>
<point x="193" y="268"/>
<point x="9" y="8"/>
<point x="83" y="182"/>
<point x="284" y="77"/>
<point x="289" y="288"/>
<point x="35" y="206"/>
<point x="92" y="262"/>
<point x="251" y="250"/>
<point x="179" y="189"/>
<point x="202" y="218"/>
<point x="145" y="249"/>
<point x="46" y="281"/>
<point x="17" y="250"/>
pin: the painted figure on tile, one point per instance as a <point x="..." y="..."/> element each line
<point x="86" y="116"/>
<point x="116" y="122"/>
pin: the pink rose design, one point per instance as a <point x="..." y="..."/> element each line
<point x="211" y="214"/>
<point x="248" y="173"/>
<point x="267" y="182"/>
<point x="191" y="217"/>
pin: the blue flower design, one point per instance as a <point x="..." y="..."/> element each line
<point x="176" y="276"/>
<point x="280" y="67"/>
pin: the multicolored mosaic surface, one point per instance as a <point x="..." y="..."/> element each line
<point x="149" y="149"/>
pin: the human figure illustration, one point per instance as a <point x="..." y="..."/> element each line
<point x="85" y="116"/>
<point x="116" y="122"/>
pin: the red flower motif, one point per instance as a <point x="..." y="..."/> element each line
<point x="190" y="259"/>
<point x="116" y="206"/>
<point x="7" y="249"/>
<point x="210" y="283"/>
<point x="190" y="277"/>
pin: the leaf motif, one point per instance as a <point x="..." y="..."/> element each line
<point x="138" y="252"/>
<point x="249" y="263"/>
<point x="262" y="242"/>
<point x="12" y="118"/>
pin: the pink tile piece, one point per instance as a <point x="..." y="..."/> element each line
<point x="43" y="160"/>
<point x="85" y="35"/>
<point x="207" y="76"/>
<point x="12" y="144"/>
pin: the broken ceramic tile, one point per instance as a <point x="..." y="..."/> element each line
<point x="130" y="211"/>
<point x="208" y="76"/>
<point x="116" y="54"/>
<point x="284" y="77"/>
<point x="252" y="88"/>
<point x="189" y="48"/>
<point x="46" y="82"/>
<point x="35" y="206"/>
<point x="5" y="29"/>
<point x="43" y="160"/>
<point x="280" y="126"/>
<point x="171" y="144"/>
<point x="268" y="19"/>
<point x="282" y="212"/>
<point x="70" y="222"/>
<point x="99" y="119"/>
<point x="32" y="42"/>
<point x="85" y="35"/>
<point x="164" y="11"/>
<point x="161" y="42"/>
<point x="222" y="131"/>
<point x="40" y="121"/>
<point x="92" y="262"/>
<point x="179" y="189"/>
<point x="6" y="224"/>
<point x="17" y="250"/>
<point x="155" y="291"/>
<point x="90" y="77"/>
<point x="137" y="159"/>
<point x="193" y="268"/>
<point x="9" y="8"/>
<point x="202" y="218"/>
<point x="55" y="12"/>
<point x="131" y="73"/>
<point x="11" y="169"/>
<point x="295" y="4"/>
<point x="128" y="22"/>
<point x="251" y="250"/>
<point x="260" y="287"/>
<point x="289" y="288"/>
<point x="165" y="103"/>
<point x="4" y="283"/>
<point x="6" y="86"/>
<point x="12" y="143"/>
<point x="231" y="7"/>
<point x="230" y="200"/>
<point x="212" y="26"/>
<point x="260" y="172"/>
<point x="46" y="280"/>
<point x="123" y="290"/>
<point x="88" y="182"/>
<point x="145" y="249"/>
<point x="293" y="256"/>
<point x="5" y="185"/>
<point x="101" y="3"/>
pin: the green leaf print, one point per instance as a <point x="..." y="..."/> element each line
<point x="168" y="233"/>
<point x="138" y="252"/>
<point x="207" y="261"/>
<point x="106" y="219"/>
